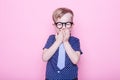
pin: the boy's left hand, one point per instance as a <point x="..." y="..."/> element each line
<point x="66" y="35"/>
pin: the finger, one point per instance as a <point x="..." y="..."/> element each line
<point x="64" y="33"/>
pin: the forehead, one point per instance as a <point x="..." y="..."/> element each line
<point x="65" y="18"/>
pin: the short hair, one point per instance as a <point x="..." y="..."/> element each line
<point x="59" y="12"/>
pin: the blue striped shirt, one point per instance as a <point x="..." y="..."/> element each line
<point x="70" y="71"/>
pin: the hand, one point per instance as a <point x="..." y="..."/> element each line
<point x="66" y="35"/>
<point x="59" y="36"/>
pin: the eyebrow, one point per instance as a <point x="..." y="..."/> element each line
<point x="64" y="22"/>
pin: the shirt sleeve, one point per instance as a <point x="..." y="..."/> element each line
<point x="49" y="42"/>
<point x="76" y="46"/>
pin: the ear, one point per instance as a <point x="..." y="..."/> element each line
<point x="55" y="28"/>
<point x="53" y="24"/>
<point x="73" y="24"/>
<point x="71" y="29"/>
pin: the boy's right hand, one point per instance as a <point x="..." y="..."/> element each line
<point x="59" y="36"/>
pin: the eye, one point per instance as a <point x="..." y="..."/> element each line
<point x="59" y="24"/>
<point x="68" y="23"/>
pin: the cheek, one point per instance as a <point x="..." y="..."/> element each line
<point x="70" y="29"/>
<point x="57" y="30"/>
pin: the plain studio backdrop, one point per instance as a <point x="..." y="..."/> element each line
<point x="26" y="24"/>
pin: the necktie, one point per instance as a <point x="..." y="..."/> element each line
<point x="61" y="57"/>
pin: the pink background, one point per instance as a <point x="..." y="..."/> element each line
<point x="26" y="24"/>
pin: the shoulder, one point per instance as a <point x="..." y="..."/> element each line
<point x="74" y="39"/>
<point x="51" y="37"/>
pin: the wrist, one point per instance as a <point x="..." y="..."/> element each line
<point x="66" y="41"/>
<point x="58" y="41"/>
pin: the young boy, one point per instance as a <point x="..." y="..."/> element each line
<point x="62" y="51"/>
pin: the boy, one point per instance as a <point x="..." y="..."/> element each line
<point x="62" y="51"/>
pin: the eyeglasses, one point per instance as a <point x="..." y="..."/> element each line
<point x="59" y="25"/>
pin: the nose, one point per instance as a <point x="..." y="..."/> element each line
<point x="63" y="26"/>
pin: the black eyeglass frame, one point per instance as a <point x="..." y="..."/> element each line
<point x="63" y="23"/>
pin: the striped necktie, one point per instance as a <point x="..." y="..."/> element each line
<point x="61" y="57"/>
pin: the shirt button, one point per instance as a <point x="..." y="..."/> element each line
<point x="58" y="71"/>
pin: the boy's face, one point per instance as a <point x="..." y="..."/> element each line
<point x="65" y="22"/>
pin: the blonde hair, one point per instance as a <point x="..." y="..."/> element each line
<point x="59" y="12"/>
